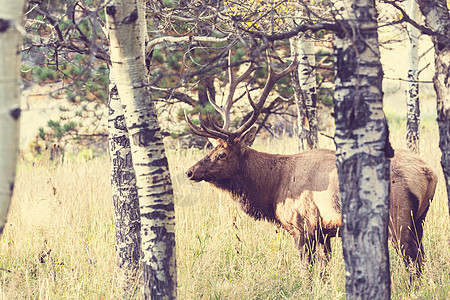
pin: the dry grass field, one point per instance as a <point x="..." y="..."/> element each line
<point x="59" y="240"/>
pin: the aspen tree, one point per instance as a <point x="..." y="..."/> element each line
<point x="438" y="20"/>
<point x="412" y="91"/>
<point x="11" y="14"/>
<point x="362" y="149"/>
<point x="126" y="34"/>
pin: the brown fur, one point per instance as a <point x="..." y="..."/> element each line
<point x="301" y="193"/>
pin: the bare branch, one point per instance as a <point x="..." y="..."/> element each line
<point x="181" y="39"/>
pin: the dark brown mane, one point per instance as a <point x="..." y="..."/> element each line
<point x="246" y="189"/>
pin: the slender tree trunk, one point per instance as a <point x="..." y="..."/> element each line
<point x="302" y="120"/>
<point x="438" y="19"/>
<point x="307" y="78"/>
<point x="361" y="139"/>
<point x="11" y="15"/>
<point x="126" y="32"/>
<point x="304" y="83"/>
<point x="412" y="91"/>
<point x="125" y="197"/>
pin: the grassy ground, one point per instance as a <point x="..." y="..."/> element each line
<point x="59" y="240"/>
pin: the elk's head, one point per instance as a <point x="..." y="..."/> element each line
<point x="224" y="160"/>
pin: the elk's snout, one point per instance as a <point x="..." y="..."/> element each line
<point x="192" y="174"/>
<point x="189" y="174"/>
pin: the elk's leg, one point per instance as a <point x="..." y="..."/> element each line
<point x="412" y="252"/>
<point x="407" y="240"/>
<point x="304" y="246"/>
<point x="326" y="248"/>
<point x="415" y="254"/>
<point x="421" y="252"/>
<point x="323" y="253"/>
<point x="301" y="219"/>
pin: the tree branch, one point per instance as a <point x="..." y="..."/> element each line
<point x="181" y="39"/>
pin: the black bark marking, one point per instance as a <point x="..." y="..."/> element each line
<point x="131" y="18"/>
<point x="159" y="162"/>
<point x="15" y="113"/>
<point x="157" y="171"/>
<point x="440" y="46"/>
<point x="346" y="63"/>
<point x="111" y="10"/>
<point x="388" y="150"/>
<point x="122" y="141"/>
<point x="165" y="207"/>
<point x="123" y="172"/>
<point x="145" y="137"/>
<point x="160" y="214"/>
<point x="119" y="123"/>
<point x="4" y="25"/>
<point x="148" y="60"/>
<point x="162" y="194"/>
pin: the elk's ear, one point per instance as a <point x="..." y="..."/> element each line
<point x="247" y="139"/>
<point x="213" y="143"/>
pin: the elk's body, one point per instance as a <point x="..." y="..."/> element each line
<point x="301" y="192"/>
<point x="277" y="188"/>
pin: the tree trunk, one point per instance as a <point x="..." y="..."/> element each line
<point x="362" y="149"/>
<point x="412" y="92"/>
<point x="125" y="197"/>
<point x="126" y="32"/>
<point x="302" y="124"/>
<point x="304" y="83"/>
<point x="10" y="45"/>
<point x="438" y="19"/>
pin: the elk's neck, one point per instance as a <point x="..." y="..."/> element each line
<point x="255" y="185"/>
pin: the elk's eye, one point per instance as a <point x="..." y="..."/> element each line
<point x="222" y="155"/>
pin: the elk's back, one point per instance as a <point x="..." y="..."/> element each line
<point x="413" y="183"/>
<point x="310" y="190"/>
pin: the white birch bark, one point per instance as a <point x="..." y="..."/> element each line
<point x="412" y="91"/>
<point x="361" y="150"/>
<point x="304" y="82"/>
<point x="438" y="19"/>
<point x="302" y="130"/>
<point x="126" y="33"/>
<point x="307" y="78"/>
<point x="124" y="193"/>
<point x="11" y="14"/>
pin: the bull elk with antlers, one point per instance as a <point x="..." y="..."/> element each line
<point x="301" y="192"/>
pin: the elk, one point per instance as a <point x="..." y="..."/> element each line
<point x="301" y="192"/>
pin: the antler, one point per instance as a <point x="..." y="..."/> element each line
<point x="272" y="78"/>
<point x="203" y="130"/>
<point x="222" y="132"/>
<point x="233" y="81"/>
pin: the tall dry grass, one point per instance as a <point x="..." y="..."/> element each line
<point x="59" y="240"/>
